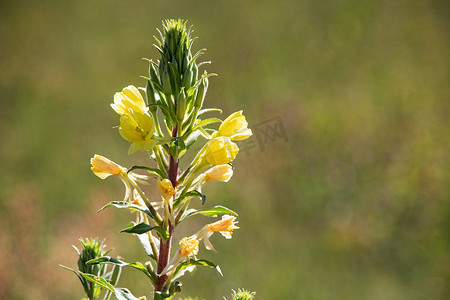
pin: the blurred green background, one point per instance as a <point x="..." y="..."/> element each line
<point x="353" y="205"/>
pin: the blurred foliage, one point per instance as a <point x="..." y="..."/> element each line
<point x="354" y="205"/>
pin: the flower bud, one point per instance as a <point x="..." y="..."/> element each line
<point x="151" y="96"/>
<point x="166" y="188"/>
<point x="187" y="78"/>
<point x="194" y="74"/>
<point x="153" y="75"/>
<point x="220" y="150"/>
<point x="165" y="81"/>
<point x="181" y="105"/>
<point x="202" y="88"/>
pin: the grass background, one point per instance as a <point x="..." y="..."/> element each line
<point x="354" y="205"/>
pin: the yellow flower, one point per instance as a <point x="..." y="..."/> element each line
<point x="224" y="226"/>
<point x="220" y="150"/>
<point x="137" y="200"/>
<point x="235" y="127"/>
<point x="188" y="247"/>
<point x="103" y="167"/>
<point x="137" y="128"/>
<point x="129" y="98"/>
<point x="166" y="188"/>
<point x="219" y="173"/>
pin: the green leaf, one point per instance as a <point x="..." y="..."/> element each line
<point x="121" y="204"/>
<point x="124" y="294"/>
<point x="135" y="265"/>
<point x="190" y="194"/>
<point x="175" y="287"/>
<point x="73" y="271"/>
<point x="199" y="262"/>
<point x="161" y="296"/>
<point x="191" y="139"/>
<point x="211" y="212"/>
<point x="206" y="122"/>
<point x="170" y="115"/>
<point x="107" y="259"/>
<point x="98" y="280"/>
<point x="143" y="228"/>
<point x="153" y="171"/>
<point x="145" y="241"/>
<point x="206" y="110"/>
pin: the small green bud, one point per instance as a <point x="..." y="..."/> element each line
<point x="202" y="88"/>
<point x="165" y="81"/>
<point x="153" y="75"/>
<point x="174" y="79"/>
<point x="181" y="105"/>
<point x="187" y="78"/>
<point x="151" y="96"/>
<point x="194" y="73"/>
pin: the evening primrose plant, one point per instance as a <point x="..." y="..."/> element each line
<point x="165" y="119"/>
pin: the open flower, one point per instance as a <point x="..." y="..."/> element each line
<point x="235" y="127"/>
<point x="129" y="98"/>
<point x="220" y="150"/>
<point x="188" y="248"/>
<point x="224" y="226"/>
<point x="103" y="168"/>
<point x="221" y="173"/>
<point x="137" y="128"/>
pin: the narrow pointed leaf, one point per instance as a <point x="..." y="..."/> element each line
<point x="145" y="241"/>
<point x="121" y="204"/>
<point x="206" y="110"/>
<point x="153" y="171"/>
<point x="199" y="262"/>
<point x="190" y="194"/>
<point x="135" y="265"/>
<point x="124" y="294"/>
<point x="206" y="122"/>
<point x="214" y="211"/>
<point x="98" y="280"/>
<point x="143" y="228"/>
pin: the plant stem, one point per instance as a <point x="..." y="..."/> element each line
<point x="164" y="247"/>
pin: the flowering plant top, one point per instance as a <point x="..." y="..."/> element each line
<point x="165" y="119"/>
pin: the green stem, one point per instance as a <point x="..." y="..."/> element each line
<point x="150" y="238"/>
<point x="155" y="214"/>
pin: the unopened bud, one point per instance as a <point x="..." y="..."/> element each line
<point x="181" y="105"/>
<point x="151" y="96"/>
<point x="152" y="74"/>
<point x="165" y="80"/>
<point x="187" y="78"/>
<point x="202" y="88"/>
<point x="194" y="73"/>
